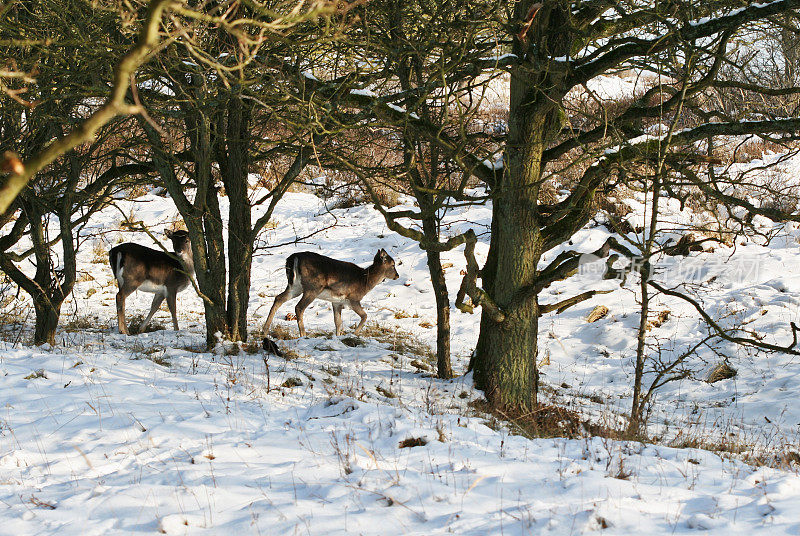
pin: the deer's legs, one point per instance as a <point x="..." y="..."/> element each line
<point x="337" y="317"/>
<point x="157" y="299"/>
<point x="304" y="302"/>
<point x="172" y="303"/>
<point x="280" y="299"/>
<point x="122" y="294"/>
<point x="356" y="306"/>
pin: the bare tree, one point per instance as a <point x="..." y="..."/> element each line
<point x="552" y="49"/>
<point x="417" y="57"/>
<point x="21" y="172"/>
<point x="212" y="118"/>
<point x="71" y="178"/>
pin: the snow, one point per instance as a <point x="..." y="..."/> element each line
<point x="107" y="434"/>
<point x="363" y="92"/>
<point x="499" y="57"/>
<point x="758" y="5"/>
<point x="612" y="87"/>
<point x="110" y="442"/>
<point x="496" y="164"/>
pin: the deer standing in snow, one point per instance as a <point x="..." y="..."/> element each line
<point x="137" y="267"/>
<point x="341" y="283"/>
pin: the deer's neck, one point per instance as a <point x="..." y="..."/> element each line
<point x="186" y="256"/>
<point x="374" y="276"/>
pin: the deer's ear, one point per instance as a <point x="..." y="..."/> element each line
<point x="169" y="234"/>
<point x="383" y="254"/>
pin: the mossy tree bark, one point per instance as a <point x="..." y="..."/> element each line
<point x="505" y="357"/>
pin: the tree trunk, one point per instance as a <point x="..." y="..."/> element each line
<point x="202" y="216"/>
<point x="636" y="405"/>
<point x="505" y="357"/>
<point x="47" y="307"/>
<point x="430" y="229"/>
<point x="232" y="154"/>
<point x="443" y="366"/>
<point x="504" y="362"/>
<point x="47" y="315"/>
<point x="240" y="261"/>
<point x="206" y="231"/>
<point x="212" y="283"/>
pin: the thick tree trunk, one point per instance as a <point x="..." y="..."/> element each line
<point x="47" y="307"/>
<point x="47" y="315"/>
<point x="233" y="158"/>
<point x="505" y="357"/>
<point x="204" y="221"/>
<point x="212" y="283"/>
<point x="239" y="290"/>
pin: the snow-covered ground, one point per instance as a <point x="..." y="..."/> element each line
<point x="111" y="434"/>
<point x="110" y="442"/>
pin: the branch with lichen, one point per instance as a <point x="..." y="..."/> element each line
<point x="469" y="286"/>
<point x="115" y="105"/>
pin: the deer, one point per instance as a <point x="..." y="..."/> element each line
<point x="137" y="267"/>
<point x="342" y="283"/>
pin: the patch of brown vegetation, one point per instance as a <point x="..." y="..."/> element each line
<point x="597" y="313"/>
<point x="413" y="442"/>
<point x="549" y="420"/>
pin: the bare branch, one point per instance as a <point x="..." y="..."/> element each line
<point x="115" y="105"/>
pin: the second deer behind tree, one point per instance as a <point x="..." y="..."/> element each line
<point x="136" y="267"/>
<point x="339" y="282"/>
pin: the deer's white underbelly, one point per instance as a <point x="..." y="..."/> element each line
<point x="330" y="297"/>
<point x="149" y="286"/>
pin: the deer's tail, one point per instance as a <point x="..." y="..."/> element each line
<point x="115" y="260"/>
<point x="291" y="268"/>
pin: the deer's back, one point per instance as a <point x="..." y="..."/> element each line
<point x="141" y="263"/>
<point x="342" y="278"/>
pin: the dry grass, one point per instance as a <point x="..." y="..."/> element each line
<point x="412" y="442"/>
<point x="333" y="370"/>
<point x="36" y="374"/>
<point x="252" y="346"/>
<point x="135" y="324"/>
<point x="385" y="392"/>
<point x="81" y="323"/>
<point x="99" y="252"/>
<point x="292" y="382"/>
<point x="290" y="354"/>
<point x="547" y="420"/>
<point x="400" y="342"/>
<point x="282" y="333"/>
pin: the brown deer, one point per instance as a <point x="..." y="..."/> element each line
<point x="341" y="283"/>
<point x="137" y="267"/>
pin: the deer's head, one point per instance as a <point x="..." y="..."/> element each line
<point x="386" y="265"/>
<point x="180" y="241"/>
